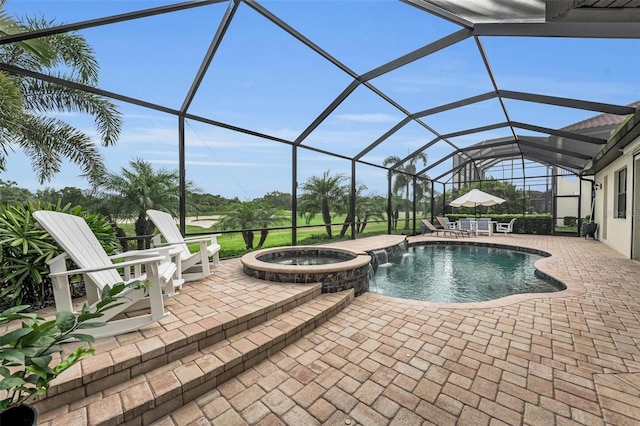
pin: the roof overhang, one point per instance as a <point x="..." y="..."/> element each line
<point x="583" y="11"/>
<point x="628" y="131"/>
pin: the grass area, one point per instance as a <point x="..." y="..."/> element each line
<point x="232" y="244"/>
<point x="566" y="229"/>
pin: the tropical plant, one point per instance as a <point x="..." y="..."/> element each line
<point x="346" y="202"/>
<point x="367" y="208"/>
<point x="27" y="102"/>
<point x="425" y="190"/>
<point x="245" y="217"/>
<point x="131" y="192"/>
<point x="11" y="102"/>
<point x="404" y="178"/>
<point x="398" y="202"/>
<point x="25" y="248"/>
<point x="323" y="194"/>
<point x="27" y="364"/>
<point x="266" y="217"/>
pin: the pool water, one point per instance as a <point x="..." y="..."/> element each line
<point x="457" y="273"/>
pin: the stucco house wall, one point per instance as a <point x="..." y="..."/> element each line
<point x="616" y="232"/>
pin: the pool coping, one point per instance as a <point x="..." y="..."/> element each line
<point x="250" y="260"/>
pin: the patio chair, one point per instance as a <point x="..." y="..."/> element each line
<point x="466" y="225"/>
<point x="191" y="266"/>
<point x="505" y="228"/>
<point x="446" y="224"/>
<point x="484" y="226"/>
<point x="81" y="246"/>
<point x="432" y="229"/>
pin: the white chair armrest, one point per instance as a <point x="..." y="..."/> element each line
<point x="62" y="257"/>
<point x="166" y="250"/>
<point x="212" y="248"/>
<point x="213" y="238"/>
<point x="503" y="227"/>
<point x="156" y="240"/>
<point x="146" y="260"/>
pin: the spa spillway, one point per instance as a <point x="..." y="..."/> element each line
<point x="335" y="268"/>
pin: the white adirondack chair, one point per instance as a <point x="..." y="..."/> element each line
<point x="80" y="245"/>
<point x="191" y="266"/>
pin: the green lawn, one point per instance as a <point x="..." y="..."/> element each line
<point x="565" y="229"/>
<point x="232" y="243"/>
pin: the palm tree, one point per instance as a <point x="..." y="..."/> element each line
<point x="130" y="193"/>
<point x="266" y="217"/>
<point x="404" y="178"/>
<point x="370" y="207"/>
<point x="360" y="188"/>
<point x="26" y="102"/>
<point x="425" y="191"/>
<point x="11" y="104"/>
<point x="245" y="217"/>
<point x="322" y="194"/>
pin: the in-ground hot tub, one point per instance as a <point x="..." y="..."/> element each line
<point x="337" y="269"/>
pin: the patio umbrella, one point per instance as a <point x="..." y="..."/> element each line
<point x="475" y="198"/>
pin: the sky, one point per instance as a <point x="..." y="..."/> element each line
<point x="264" y="80"/>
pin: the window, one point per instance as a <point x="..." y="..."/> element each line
<point x="621" y="193"/>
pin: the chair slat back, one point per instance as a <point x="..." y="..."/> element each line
<point x="444" y="222"/>
<point x="483" y="224"/>
<point x="167" y="227"/>
<point x="429" y="225"/>
<point x="75" y="237"/>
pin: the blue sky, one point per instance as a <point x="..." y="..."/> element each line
<point x="264" y="80"/>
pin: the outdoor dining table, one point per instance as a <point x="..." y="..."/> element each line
<point x="474" y="226"/>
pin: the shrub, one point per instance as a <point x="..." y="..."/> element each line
<point x="25" y="249"/>
<point x="539" y="224"/>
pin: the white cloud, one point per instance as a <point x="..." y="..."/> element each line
<point x="152" y="117"/>
<point x="282" y="133"/>
<point x="209" y="163"/>
<point x="369" y="118"/>
<point x="211" y="138"/>
<point x="64" y="114"/>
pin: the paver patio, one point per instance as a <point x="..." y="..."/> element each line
<point x="567" y="358"/>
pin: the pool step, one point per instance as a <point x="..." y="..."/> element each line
<point x="164" y="386"/>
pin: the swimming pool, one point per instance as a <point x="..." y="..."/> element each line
<point x="460" y="273"/>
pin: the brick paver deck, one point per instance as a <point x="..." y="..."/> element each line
<point x="568" y="358"/>
<point x="572" y="358"/>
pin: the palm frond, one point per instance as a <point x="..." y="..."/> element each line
<point x="10" y="102"/>
<point x="47" y="97"/>
<point x="47" y="140"/>
<point x="36" y="48"/>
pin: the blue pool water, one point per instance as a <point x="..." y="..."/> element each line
<point x="457" y="273"/>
